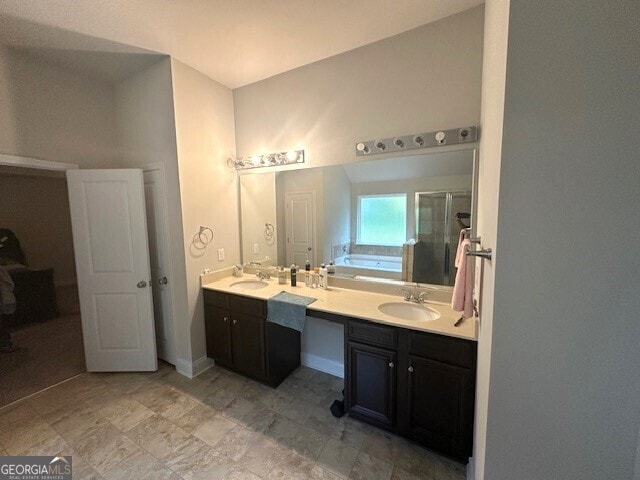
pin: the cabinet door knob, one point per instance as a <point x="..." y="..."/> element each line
<point x="391" y="365"/>
<point x="141" y="284"/>
<point x="225" y="319"/>
<point x="235" y="321"/>
<point x="410" y="369"/>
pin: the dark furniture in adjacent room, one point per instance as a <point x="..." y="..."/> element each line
<point x="34" y="290"/>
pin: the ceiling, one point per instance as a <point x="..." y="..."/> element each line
<point x="405" y="168"/>
<point x="235" y="42"/>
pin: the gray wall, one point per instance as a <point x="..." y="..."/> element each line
<point x="422" y="80"/>
<point x="336" y="199"/>
<point x="56" y="114"/>
<point x="205" y="135"/>
<point x="36" y="209"/>
<point x="147" y="133"/>
<point x="565" y="385"/>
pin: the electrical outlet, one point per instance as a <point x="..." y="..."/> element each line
<point x="256" y="248"/>
<point x="221" y="254"/>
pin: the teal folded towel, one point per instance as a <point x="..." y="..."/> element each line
<point x="288" y="310"/>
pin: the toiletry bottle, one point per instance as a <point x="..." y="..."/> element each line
<point x="293" y="275"/>
<point x="322" y="277"/>
<point x="282" y="276"/>
<point x="307" y="265"/>
<point x="331" y="268"/>
<point x="307" y="278"/>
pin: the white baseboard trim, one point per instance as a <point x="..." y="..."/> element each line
<point x="191" y="370"/>
<point x="323" y="364"/>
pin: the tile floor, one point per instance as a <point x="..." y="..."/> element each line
<point x="163" y="426"/>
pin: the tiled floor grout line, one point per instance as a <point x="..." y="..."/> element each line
<point x="309" y="393"/>
<point x="39" y="392"/>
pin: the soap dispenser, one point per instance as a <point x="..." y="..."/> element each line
<point x="282" y="276"/>
<point x="322" y="277"/>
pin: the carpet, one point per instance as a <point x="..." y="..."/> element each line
<point x="49" y="352"/>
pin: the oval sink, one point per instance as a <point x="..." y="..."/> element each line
<point x="249" y="284"/>
<point x="409" y="311"/>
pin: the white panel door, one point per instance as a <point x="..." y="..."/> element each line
<point x="109" y="226"/>
<point x="156" y="202"/>
<point x="300" y="227"/>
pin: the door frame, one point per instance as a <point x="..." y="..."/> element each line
<point x="288" y="226"/>
<point x="18" y="161"/>
<point x="150" y="167"/>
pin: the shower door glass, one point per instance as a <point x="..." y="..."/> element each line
<point x="437" y="235"/>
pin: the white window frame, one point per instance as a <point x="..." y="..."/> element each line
<point x="359" y="203"/>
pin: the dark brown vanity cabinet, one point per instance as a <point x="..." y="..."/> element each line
<point x="248" y="345"/>
<point x="373" y="389"/>
<point x="218" y="327"/>
<point x="419" y="385"/>
<point x="440" y="405"/>
<point x="240" y="339"/>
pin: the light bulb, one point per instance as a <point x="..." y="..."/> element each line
<point x="361" y="147"/>
<point x="292" y="156"/>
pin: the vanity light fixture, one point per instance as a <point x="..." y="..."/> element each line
<point x="267" y="160"/>
<point x="416" y="141"/>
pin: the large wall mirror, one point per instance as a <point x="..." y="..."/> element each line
<point x="395" y="218"/>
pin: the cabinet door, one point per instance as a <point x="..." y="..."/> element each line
<point x="371" y="382"/>
<point x="440" y="405"/>
<point x="248" y="345"/>
<point x="218" y="334"/>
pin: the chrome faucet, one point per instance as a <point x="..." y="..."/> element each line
<point x="414" y="296"/>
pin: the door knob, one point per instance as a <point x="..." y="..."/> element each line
<point x="235" y="321"/>
<point x="391" y="365"/>
<point x="410" y="369"/>
<point x="225" y="319"/>
<point x="141" y="284"/>
<point x="163" y="281"/>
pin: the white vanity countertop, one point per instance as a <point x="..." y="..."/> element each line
<point x="358" y="304"/>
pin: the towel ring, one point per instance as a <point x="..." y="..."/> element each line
<point x="269" y="230"/>
<point x="203" y="237"/>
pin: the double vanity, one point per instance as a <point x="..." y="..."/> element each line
<point x="408" y="368"/>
